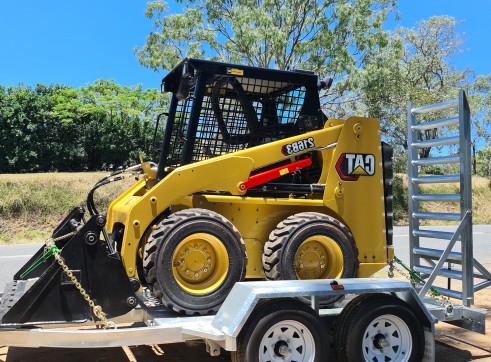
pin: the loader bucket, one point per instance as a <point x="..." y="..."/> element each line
<point x="41" y="291"/>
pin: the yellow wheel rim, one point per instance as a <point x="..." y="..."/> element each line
<point x="318" y="257"/>
<point x="200" y="263"/>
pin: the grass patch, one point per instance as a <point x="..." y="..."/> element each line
<point x="32" y="205"/>
<point x="481" y="200"/>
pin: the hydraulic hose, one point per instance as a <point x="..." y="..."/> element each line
<point x="113" y="177"/>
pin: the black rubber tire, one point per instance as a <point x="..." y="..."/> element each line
<point x="280" y="313"/>
<point x="284" y="242"/>
<point x="361" y="314"/>
<point x="165" y="240"/>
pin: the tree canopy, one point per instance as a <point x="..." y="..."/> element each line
<point x="416" y="66"/>
<point x="329" y="37"/>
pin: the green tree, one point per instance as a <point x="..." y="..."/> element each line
<point x="56" y="128"/>
<point x="416" y="67"/>
<point x="29" y="133"/>
<point x="483" y="161"/>
<point x="329" y="37"/>
<point x="127" y="131"/>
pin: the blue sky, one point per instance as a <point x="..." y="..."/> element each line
<point x="76" y="42"/>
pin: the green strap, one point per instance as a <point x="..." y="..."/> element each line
<point x="415" y="276"/>
<point x="53" y="249"/>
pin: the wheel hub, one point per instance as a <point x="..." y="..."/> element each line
<point x="281" y="349"/>
<point x="380" y="342"/>
<point x="200" y="263"/>
<point x="311" y="260"/>
<point x="195" y="262"/>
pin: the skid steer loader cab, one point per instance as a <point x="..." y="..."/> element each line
<point x="218" y="109"/>
<point x="253" y="182"/>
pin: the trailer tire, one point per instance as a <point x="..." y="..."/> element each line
<point x="378" y="327"/>
<point x="310" y="245"/>
<point x="192" y="260"/>
<point x="283" y="326"/>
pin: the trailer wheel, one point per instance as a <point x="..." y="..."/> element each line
<point x="378" y="327"/>
<point x="193" y="259"/>
<point x="310" y="245"/>
<point x="283" y="330"/>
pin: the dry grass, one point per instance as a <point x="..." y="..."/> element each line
<point x="31" y="205"/>
<point x="481" y="200"/>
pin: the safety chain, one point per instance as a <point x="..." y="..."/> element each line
<point x="96" y="309"/>
<point x="417" y="282"/>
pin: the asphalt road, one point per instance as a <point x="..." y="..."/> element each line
<point x="12" y="257"/>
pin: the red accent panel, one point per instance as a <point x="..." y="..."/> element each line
<point x="274" y="173"/>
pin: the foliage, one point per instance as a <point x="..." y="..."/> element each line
<point x="416" y="67"/>
<point x="329" y="37"/>
<point x="483" y="161"/>
<point x="56" y="128"/>
<point x="377" y="72"/>
<point x="480" y="103"/>
<point x="399" y="197"/>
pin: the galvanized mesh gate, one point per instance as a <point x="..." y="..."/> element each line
<point x="447" y="132"/>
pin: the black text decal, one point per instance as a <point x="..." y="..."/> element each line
<point x="298" y="146"/>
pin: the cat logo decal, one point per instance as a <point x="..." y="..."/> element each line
<point x="350" y="166"/>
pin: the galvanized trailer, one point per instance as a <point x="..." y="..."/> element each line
<point x="267" y="321"/>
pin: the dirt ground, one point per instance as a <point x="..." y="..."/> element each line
<point x="457" y="344"/>
<point x="453" y="344"/>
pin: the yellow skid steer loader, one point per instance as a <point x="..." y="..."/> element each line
<point x="253" y="182"/>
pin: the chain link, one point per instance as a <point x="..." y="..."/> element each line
<point x="439" y="298"/>
<point x="96" y="309"/>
